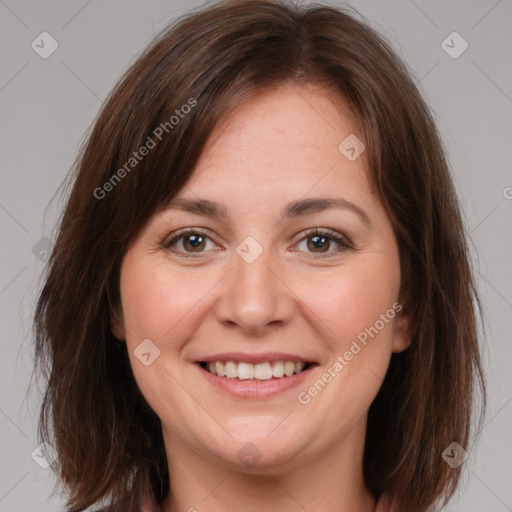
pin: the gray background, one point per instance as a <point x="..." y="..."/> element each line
<point x="47" y="105"/>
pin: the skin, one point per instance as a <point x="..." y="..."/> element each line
<point x="280" y="146"/>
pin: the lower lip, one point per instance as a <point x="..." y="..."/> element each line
<point x="255" y="389"/>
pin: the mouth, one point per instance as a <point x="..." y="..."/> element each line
<point x="260" y="372"/>
<point x="255" y="376"/>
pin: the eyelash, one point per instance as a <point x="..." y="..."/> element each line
<point x="329" y="234"/>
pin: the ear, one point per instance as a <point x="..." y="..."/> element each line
<point x="402" y="335"/>
<point x="117" y="326"/>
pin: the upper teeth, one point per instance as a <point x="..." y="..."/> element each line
<point x="261" y="371"/>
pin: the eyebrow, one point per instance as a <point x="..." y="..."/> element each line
<point x="293" y="209"/>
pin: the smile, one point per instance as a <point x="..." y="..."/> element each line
<point x="258" y="380"/>
<point x="255" y="372"/>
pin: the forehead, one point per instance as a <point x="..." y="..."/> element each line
<point x="285" y="138"/>
<point x="305" y="115"/>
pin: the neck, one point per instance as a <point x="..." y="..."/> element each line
<point x="330" y="481"/>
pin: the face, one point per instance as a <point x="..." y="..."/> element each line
<point x="274" y="279"/>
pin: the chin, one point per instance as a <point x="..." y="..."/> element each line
<point x="265" y="450"/>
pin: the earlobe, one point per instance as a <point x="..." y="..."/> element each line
<point x="402" y="336"/>
<point x="116" y="327"/>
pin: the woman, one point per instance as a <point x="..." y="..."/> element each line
<point x="260" y="295"/>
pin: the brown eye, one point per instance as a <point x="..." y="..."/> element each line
<point x="196" y="242"/>
<point x="318" y="243"/>
<point x="188" y="242"/>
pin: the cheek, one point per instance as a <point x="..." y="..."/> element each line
<point x="158" y="304"/>
<point x="157" y="297"/>
<point x="354" y="297"/>
<point x="357" y="305"/>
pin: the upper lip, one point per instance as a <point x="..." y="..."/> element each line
<point x="254" y="358"/>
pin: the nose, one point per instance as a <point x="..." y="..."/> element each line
<point x="254" y="296"/>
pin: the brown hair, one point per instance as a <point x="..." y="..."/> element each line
<point x="108" y="439"/>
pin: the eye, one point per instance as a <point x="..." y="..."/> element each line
<point x="191" y="241"/>
<point x="319" y="241"/>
